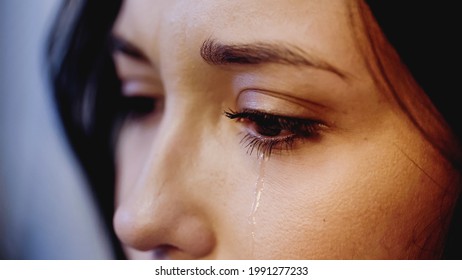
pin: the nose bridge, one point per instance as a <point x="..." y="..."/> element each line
<point x="164" y="205"/>
<point x="187" y="143"/>
<point x="171" y="158"/>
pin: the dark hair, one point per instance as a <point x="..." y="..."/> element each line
<point x="422" y="89"/>
<point x="86" y="91"/>
<point x="87" y="94"/>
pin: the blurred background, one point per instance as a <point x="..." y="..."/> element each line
<point x="46" y="209"/>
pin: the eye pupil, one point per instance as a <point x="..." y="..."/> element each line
<point x="268" y="130"/>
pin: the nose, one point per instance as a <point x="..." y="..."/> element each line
<point x="162" y="210"/>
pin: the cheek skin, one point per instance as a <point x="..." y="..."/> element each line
<point x="364" y="199"/>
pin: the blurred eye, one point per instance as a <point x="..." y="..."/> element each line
<point x="138" y="106"/>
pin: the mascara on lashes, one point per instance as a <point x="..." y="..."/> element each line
<point x="267" y="137"/>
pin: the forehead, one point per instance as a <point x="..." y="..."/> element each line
<point x="322" y="27"/>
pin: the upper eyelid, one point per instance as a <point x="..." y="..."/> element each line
<point x="124" y="47"/>
<point x="129" y="70"/>
<point x="250" y="112"/>
<point x="142" y="89"/>
<point x="285" y="122"/>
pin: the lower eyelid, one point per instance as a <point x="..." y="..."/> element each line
<point x="267" y="146"/>
<point x="139" y="88"/>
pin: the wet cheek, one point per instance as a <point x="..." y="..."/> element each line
<point x="327" y="211"/>
<point x="300" y="215"/>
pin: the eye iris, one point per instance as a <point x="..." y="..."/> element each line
<point x="268" y="129"/>
<point x="267" y="132"/>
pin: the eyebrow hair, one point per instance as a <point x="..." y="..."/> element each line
<point x="216" y="53"/>
<point x="119" y="44"/>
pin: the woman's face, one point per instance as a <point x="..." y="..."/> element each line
<point x="268" y="138"/>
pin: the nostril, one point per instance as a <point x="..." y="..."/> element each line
<point x="163" y="252"/>
<point x="163" y="232"/>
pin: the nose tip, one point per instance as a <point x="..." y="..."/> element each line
<point x="168" y="232"/>
<point x="132" y="231"/>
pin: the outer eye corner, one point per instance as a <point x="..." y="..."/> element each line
<point x="230" y="114"/>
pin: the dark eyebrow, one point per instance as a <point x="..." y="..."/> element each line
<point x="119" y="44"/>
<point x="216" y="53"/>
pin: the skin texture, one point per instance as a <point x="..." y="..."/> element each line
<point x="369" y="186"/>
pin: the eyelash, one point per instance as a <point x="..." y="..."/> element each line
<point x="294" y="128"/>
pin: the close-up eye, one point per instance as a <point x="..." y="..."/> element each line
<point x="267" y="132"/>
